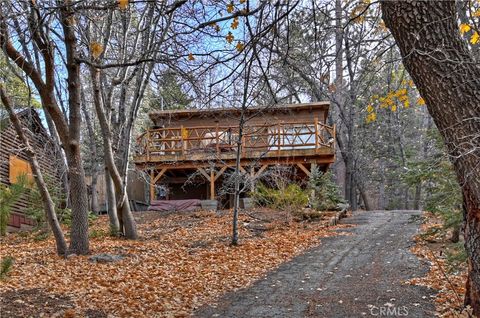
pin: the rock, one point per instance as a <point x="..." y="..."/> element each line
<point x="105" y="258"/>
<point x="69" y="256"/>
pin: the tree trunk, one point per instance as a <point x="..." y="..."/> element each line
<point x="48" y="203"/>
<point x="448" y="78"/>
<point x="78" y="188"/>
<point x="236" y="198"/>
<point x="94" y="157"/>
<point x="111" y="204"/>
<point x="127" y="224"/>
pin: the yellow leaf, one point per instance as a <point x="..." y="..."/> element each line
<point x="474" y="38"/>
<point x="230" y="7"/>
<point x="394" y="108"/>
<point x="421" y="101"/>
<point x="406" y="103"/>
<point x="477" y="13"/>
<point x="234" y="24"/>
<point x="464" y="28"/>
<point x="229" y="37"/>
<point x="123" y="4"/>
<point x="239" y="46"/>
<point x="191" y="57"/>
<point x="369" y="108"/>
<point x="242" y="1"/>
<point x="96" y="49"/>
<point x="371" y="117"/>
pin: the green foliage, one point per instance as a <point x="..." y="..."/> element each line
<point x="6" y="266"/>
<point x="36" y="210"/>
<point x="443" y="195"/>
<point x="98" y="233"/>
<point x="288" y="197"/>
<point x="16" y="88"/>
<point x="8" y="196"/>
<point x="170" y="94"/>
<point x="113" y="230"/>
<point x="325" y="194"/>
<point x="456" y="256"/>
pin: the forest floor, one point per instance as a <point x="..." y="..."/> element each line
<point x="447" y="271"/>
<point x="181" y="262"/>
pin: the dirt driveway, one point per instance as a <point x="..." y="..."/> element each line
<point x="359" y="275"/>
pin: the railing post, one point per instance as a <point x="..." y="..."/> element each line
<point x="147" y="144"/>
<point x="217" y="141"/>
<point x="182" y="140"/>
<point x="317" y="145"/>
<point x="278" y="138"/>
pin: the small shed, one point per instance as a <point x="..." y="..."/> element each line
<point x="14" y="162"/>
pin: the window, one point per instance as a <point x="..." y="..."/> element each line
<point x="19" y="167"/>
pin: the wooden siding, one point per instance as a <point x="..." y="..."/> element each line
<point x="10" y="145"/>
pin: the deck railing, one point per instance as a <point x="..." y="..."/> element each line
<point x="218" y="139"/>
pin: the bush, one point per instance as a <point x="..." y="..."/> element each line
<point x="8" y="196"/>
<point x="284" y="198"/>
<point x="6" y="266"/>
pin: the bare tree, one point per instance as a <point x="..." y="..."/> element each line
<point x="30" y="152"/>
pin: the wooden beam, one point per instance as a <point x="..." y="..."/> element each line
<point x="204" y="173"/>
<point x="301" y="166"/>
<point x="220" y="172"/>
<point x="259" y="172"/>
<point x="242" y="169"/>
<point x="159" y="175"/>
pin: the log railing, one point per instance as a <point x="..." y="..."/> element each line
<point x="217" y="139"/>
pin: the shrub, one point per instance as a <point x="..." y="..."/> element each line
<point x="6" y="266"/>
<point x="290" y="197"/>
<point x="8" y="196"/>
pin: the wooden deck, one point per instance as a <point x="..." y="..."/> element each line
<point x="184" y="146"/>
<point x="299" y="143"/>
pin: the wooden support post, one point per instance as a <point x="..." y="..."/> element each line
<point x="153" y="181"/>
<point x="152" y="186"/>
<point x="212" y="185"/>
<point x="252" y="177"/>
<point x="317" y="144"/>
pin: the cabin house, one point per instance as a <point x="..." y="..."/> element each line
<point x="13" y="161"/>
<point x="182" y="143"/>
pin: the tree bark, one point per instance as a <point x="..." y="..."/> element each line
<point x="448" y="78"/>
<point x="48" y="203"/>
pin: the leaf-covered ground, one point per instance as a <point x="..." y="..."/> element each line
<point x="181" y="262"/>
<point x="448" y="279"/>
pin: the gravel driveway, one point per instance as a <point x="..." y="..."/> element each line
<point x="359" y="275"/>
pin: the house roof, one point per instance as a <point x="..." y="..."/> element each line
<point x="21" y="113"/>
<point x="212" y="112"/>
